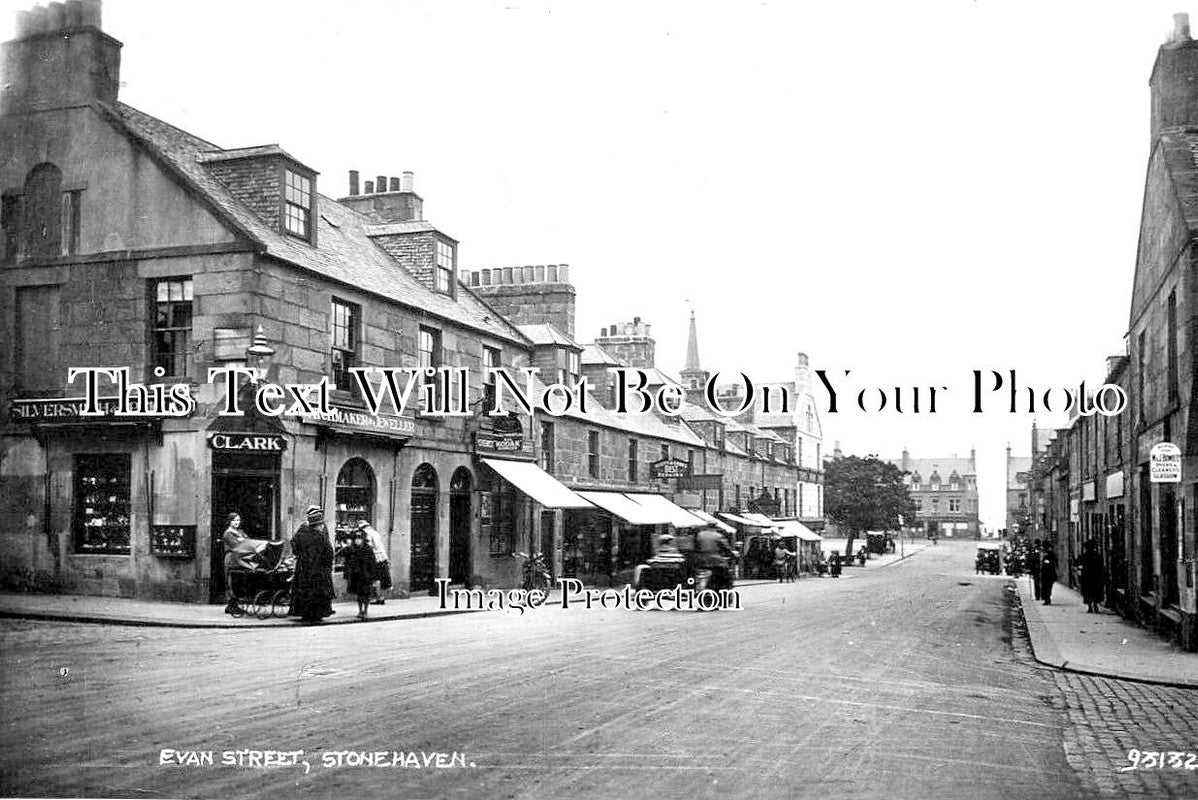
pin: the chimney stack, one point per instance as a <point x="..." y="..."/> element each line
<point x="1181" y="28"/>
<point x="45" y="68"/>
<point x="353" y="183"/>
<point x="387" y="200"/>
<point x="1174" y="82"/>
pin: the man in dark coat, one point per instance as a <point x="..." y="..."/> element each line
<point x="312" y="587"/>
<point x="1048" y="573"/>
<point x="1034" y="557"/>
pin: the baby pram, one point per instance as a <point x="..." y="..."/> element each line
<point x="260" y="579"/>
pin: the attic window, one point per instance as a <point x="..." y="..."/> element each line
<point x="297" y="196"/>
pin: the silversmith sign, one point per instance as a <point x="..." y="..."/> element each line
<point x="65" y="410"/>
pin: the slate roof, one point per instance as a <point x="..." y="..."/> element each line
<point x="944" y="467"/>
<point x="545" y="333"/>
<point x="648" y="424"/>
<point x="344" y="253"/>
<point x="1016" y="465"/>
<point x="596" y="354"/>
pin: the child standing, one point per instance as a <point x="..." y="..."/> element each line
<point x="359" y="571"/>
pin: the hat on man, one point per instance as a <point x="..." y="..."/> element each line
<point x="314" y="512"/>
<point x="363" y="524"/>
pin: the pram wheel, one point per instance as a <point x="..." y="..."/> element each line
<point x="263" y="605"/>
<point x="280" y="603"/>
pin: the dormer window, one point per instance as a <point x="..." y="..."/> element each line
<point x="445" y="267"/>
<point x="573" y="367"/>
<point x="717" y="436"/>
<point x="297" y="199"/>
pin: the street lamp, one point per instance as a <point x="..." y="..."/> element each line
<point x="259" y="354"/>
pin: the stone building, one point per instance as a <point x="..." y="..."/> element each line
<point x="1017" y="469"/>
<point x="945" y="493"/>
<point x="128" y="242"/>
<point x="1094" y="480"/>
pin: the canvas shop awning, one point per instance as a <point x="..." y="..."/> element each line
<point x="537" y="483"/>
<point x="743" y="520"/>
<point x="625" y="508"/>
<point x="678" y="516"/>
<point x="711" y="520"/>
<point x="793" y="527"/>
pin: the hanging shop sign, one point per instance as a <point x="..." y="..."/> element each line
<point x="248" y="442"/>
<point x="1164" y="463"/>
<point x="1114" y="485"/>
<point x="1088" y="492"/>
<point x="668" y="468"/>
<point x="499" y="441"/>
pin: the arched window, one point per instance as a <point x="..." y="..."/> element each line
<point x="461" y="480"/>
<point x="42" y="212"/>
<point x="355" y="496"/>
<point x="425" y="477"/>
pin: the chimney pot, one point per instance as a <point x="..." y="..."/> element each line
<point x="394" y="187"/>
<point x="56" y="16"/>
<point x="353" y="182"/>
<point x="74" y="13"/>
<point x="380" y="184"/>
<point x="507" y="275"/>
<point x="563" y="273"/>
<point x="369" y="187"/>
<point x="540" y="274"/>
<point x="38" y="15"/>
<point x="24" y="23"/>
<point x="91" y="13"/>
<point x="408" y="183"/>
<point x="1181" y="27"/>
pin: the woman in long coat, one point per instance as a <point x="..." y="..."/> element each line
<point x="1093" y="577"/>
<point x="312" y="587"/>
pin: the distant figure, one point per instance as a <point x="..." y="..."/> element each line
<point x="1034" y="557"/>
<point x="834" y="563"/>
<point x="1048" y="574"/>
<point x="359" y="570"/>
<point x="312" y="589"/>
<point x="1093" y="576"/>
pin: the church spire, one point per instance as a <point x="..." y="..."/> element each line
<point x="694" y="378"/>
<point x="692" y="348"/>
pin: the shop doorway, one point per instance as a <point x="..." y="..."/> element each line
<point x="459" y="526"/>
<point x="247" y="485"/>
<point x="424" y="529"/>
<point x="547" y="519"/>
<point x="1170" y="591"/>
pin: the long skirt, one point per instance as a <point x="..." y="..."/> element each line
<point x="382" y="573"/>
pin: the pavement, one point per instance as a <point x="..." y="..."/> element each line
<point x="161" y="614"/>
<point x="909" y="681"/>
<point x="1064" y="636"/>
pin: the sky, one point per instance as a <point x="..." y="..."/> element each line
<point x="910" y="191"/>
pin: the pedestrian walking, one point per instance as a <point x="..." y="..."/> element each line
<point x="834" y="563"/>
<point x="382" y="564"/>
<point x="359" y="570"/>
<point x="1034" y="557"/>
<point x="233" y="536"/>
<point x="1048" y="574"/>
<point x="782" y="558"/>
<point x="312" y="589"/>
<point x="1093" y="576"/>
